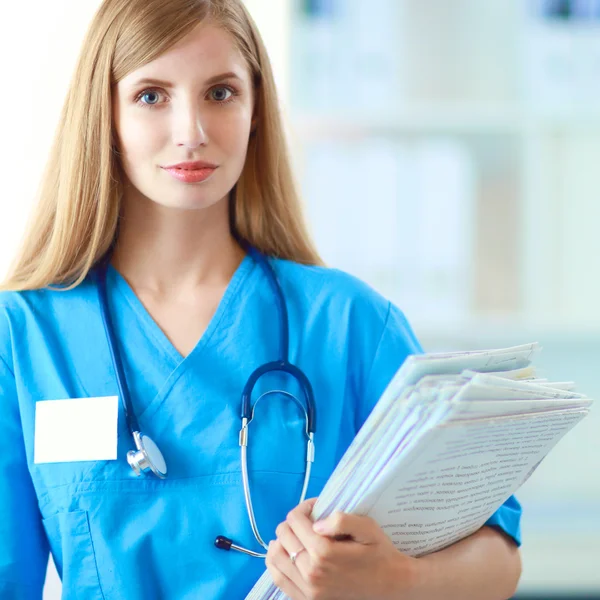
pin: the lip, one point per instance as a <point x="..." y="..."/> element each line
<point x="191" y="175"/>
<point x="192" y="166"/>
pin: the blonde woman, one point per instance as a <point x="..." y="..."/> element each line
<point x="166" y="263"/>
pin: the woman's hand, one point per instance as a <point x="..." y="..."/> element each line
<point x="342" y="557"/>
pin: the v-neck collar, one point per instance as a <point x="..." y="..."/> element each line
<point x="151" y="327"/>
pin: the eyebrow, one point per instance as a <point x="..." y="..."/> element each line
<point x="160" y="82"/>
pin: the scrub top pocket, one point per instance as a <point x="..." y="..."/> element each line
<point x="71" y="544"/>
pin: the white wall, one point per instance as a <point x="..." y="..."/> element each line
<point x="36" y="69"/>
<point x="273" y="21"/>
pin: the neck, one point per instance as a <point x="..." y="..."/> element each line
<point x="166" y="251"/>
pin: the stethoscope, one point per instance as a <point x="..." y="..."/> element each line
<point x="147" y="457"/>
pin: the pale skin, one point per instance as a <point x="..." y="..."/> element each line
<point x="174" y="247"/>
<point x="176" y="251"/>
<point x="367" y="566"/>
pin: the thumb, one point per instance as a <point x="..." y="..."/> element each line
<point x="344" y="526"/>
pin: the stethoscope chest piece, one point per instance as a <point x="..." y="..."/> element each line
<point x="147" y="457"/>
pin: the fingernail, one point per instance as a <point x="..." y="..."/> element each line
<point x="319" y="527"/>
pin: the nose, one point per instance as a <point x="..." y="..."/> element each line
<point x="190" y="128"/>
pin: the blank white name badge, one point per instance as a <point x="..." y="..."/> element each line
<point x="76" y="429"/>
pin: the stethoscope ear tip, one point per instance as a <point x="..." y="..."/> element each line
<point x="223" y="543"/>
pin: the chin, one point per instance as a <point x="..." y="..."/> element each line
<point x="191" y="202"/>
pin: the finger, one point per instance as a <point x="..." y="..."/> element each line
<point x="286" y="585"/>
<point x="301" y="525"/>
<point x="290" y="543"/>
<point x="307" y="506"/>
<point x="285" y="575"/>
<point x="340" y="525"/>
<point x="288" y="538"/>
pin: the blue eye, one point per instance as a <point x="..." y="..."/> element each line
<point x="150" y="94"/>
<point x="222" y="93"/>
<point x="146" y="94"/>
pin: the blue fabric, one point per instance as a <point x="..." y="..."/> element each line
<point x="508" y="519"/>
<point x="113" y="535"/>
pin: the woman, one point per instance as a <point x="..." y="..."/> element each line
<point x="167" y="188"/>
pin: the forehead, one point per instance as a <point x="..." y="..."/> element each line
<point x="206" y="51"/>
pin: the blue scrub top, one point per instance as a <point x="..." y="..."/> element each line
<point x="113" y="535"/>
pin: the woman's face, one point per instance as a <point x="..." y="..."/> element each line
<point x="197" y="107"/>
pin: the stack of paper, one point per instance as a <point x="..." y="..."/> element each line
<point x="451" y="438"/>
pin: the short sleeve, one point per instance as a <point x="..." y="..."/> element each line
<point x="508" y="519"/>
<point x="24" y="548"/>
<point x="397" y="342"/>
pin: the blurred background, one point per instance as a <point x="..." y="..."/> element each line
<point x="448" y="152"/>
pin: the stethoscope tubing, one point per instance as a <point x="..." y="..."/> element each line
<point x="142" y="459"/>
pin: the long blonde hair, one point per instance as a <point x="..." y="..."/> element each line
<point x="79" y="198"/>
